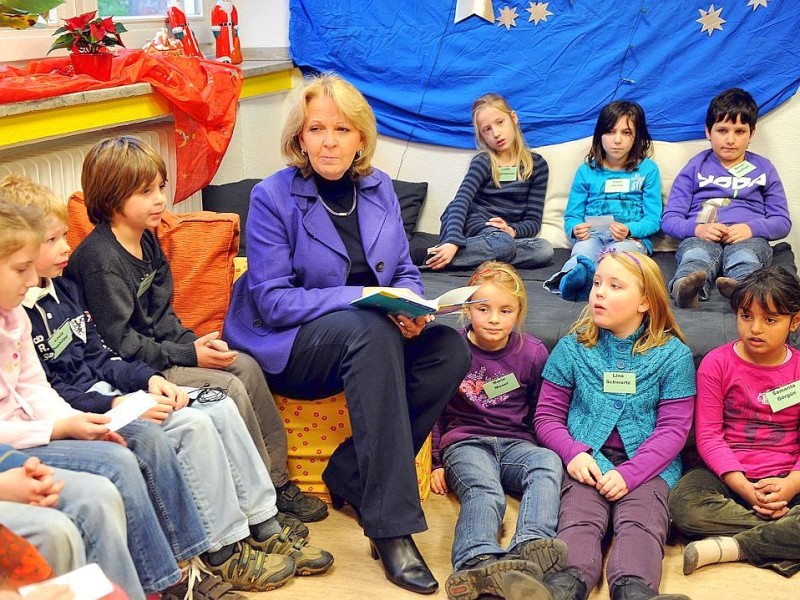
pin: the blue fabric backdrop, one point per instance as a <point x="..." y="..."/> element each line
<point x="421" y="71"/>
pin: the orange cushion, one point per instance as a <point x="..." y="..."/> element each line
<point x="200" y="248"/>
<point x="314" y="429"/>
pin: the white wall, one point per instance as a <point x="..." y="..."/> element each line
<point x="265" y="24"/>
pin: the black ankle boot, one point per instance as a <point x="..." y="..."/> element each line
<point x="566" y="585"/>
<point x="403" y="564"/>
<point x="633" y="588"/>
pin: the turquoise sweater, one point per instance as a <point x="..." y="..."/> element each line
<point x="663" y="373"/>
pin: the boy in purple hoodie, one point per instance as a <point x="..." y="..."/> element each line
<point x="725" y="206"/>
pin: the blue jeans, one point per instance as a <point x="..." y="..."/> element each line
<point x="480" y="470"/>
<point x="148" y="546"/>
<point x="78" y="531"/>
<point x="494" y="244"/>
<point x="591" y="248"/>
<point x="229" y="482"/>
<point x="735" y="260"/>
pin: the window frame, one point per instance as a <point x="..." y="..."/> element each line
<point x="18" y="47"/>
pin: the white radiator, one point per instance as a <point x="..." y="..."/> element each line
<point x="57" y="163"/>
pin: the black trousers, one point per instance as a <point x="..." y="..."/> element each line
<point x="395" y="390"/>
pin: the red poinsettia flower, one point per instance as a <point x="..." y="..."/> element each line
<point x="88" y="34"/>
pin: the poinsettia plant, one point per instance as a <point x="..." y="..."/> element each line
<point x="88" y="34"/>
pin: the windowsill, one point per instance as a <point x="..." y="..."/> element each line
<point x="266" y="71"/>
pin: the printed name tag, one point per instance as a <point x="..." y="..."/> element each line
<point x="501" y="385"/>
<point x="618" y="186"/>
<point x="741" y="169"/>
<point x="145" y="284"/>
<point x="60" y="339"/>
<point x="618" y="382"/>
<point x="784" y="396"/>
<point x="508" y="174"/>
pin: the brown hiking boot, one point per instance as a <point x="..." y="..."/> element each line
<point x="252" y="570"/>
<point x="308" y="560"/>
<point x="686" y="291"/>
<point x="726" y="285"/>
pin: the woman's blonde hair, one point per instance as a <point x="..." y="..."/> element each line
<point x="659" y="322"/>
<point x="505" y="277"/>
<point x="523" y="158"/>
<point x="20" y="226"/>
<point x="24" y="192"/>
<point x="353" y="108"/>
<point x="113" y="171"/>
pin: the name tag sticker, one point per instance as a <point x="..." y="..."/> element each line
<point x="618" y="186"/>
<point x="784" y="396"/>
<point x="508" y="174"/>
<point x="618" y="382"/>
<point x="501" y="385"/>
<point x="741" y="169"/>
<point x="145" y="284"/>
<point x="60" y="339"/>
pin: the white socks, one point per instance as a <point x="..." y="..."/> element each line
<point x="709" y="551"/>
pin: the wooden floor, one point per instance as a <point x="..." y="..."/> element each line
<point x="356" y="576"/>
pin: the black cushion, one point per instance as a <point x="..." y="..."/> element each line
<point x="411" y="196"/>
<point x="231" y="198"/>
<point x="549" y="317"/>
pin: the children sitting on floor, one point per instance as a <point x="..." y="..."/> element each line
<point x="228" y="481"/>
<point x="725" y="206"/>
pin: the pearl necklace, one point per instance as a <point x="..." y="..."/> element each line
<point x="345" y="213"/>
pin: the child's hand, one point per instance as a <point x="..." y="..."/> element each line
<point x="440" y="256"/>
<point x="619" y="231"/>
<point x="612" y="486"/>
<point x="158" y="386"/>
<point x="711" y="232"/>
<point x="501" y="225"/>
<point x="738" y="233"/>
<point x="32" y="483"/>
<point x="584" y="469"/>
<point x="209" y="355"/>
<point x="438" y="482"/>
<point x="581" y="231"/>
<point x="773" y="495"/>
<point x="85" y="426"/>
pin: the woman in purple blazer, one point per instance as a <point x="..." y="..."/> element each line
<point x="320" y="234"/>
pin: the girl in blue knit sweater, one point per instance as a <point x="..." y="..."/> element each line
<point x="615" y="200"/>
<point x="616" y="406"/>
<point x="497" y="211"/>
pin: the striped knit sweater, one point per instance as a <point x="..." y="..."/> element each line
<point x="519" y="203"/>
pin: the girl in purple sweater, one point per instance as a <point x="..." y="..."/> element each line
<point x="748" y="435"/>
<point x="488" y="447"/>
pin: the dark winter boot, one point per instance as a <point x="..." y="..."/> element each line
<point x="632" y="588"/>
<point x="566" y="585"/>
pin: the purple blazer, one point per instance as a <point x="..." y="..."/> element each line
<point x="297" y="264"/>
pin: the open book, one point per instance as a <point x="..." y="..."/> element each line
<point x="400" y="301"/>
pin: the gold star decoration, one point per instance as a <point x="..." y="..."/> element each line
<point x="756" y="3"/>
<point x="480" y="8"/>
<point x="710" y="20"/>
<point x="538" y="12"/>
<point x="508" y="17"/>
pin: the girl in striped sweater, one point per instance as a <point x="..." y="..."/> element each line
<point x="497" y="211"/>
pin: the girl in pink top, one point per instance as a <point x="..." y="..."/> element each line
<point x="747" y="421"/>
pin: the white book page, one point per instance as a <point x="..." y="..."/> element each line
<point x="134" y="407"/>
<point x="87" y="583"/>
